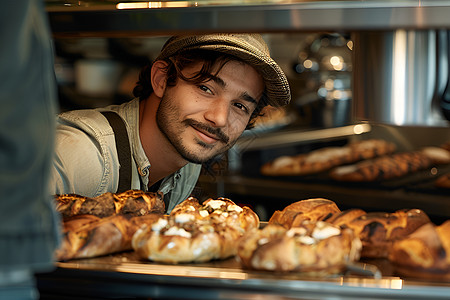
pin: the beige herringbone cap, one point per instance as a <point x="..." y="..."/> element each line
<point x="250" y="48"/>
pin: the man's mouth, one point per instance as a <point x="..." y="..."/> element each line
<point x="206" y="136"/>
<point x="209" y="134"/>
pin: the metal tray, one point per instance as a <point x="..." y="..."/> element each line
<point x="124" y="275"/>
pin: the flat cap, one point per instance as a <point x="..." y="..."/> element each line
<point x="251" y="48"/>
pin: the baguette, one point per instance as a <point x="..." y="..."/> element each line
<point x="86" y="236"/>
<point x="132" y="202"/>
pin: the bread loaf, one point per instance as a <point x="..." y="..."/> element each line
<point x="132" y="202"/>
<point x="182" y="239"/>
<point x="443" y="181"/>
<point x="86" y="236"/>
<point x="316" y="209"/>
<point x="382" y="168"/>
<point x="424" y="253"/>
<point x="379" y="230"/>
<point x="446" y="146"/>
<point x="345" y="217"/>
<point x="326" y="158"/>
<point x="195" y="232"/>
<point x="437" y="155"/>
<point x="314" y="247"/>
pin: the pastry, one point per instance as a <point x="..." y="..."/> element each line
<point x="316" y="209"/>
<point x="313" y="247"/>
<point x="86" y="236"/>
<point x="346" y="216"/>
<point x="383" y="167"/>
<point x="437" y="155"/>
<point x="326" y="158"/>
<point x="195" y="232"/>
<point x="379" y="230"/>
<point x="443" y="181"/>
<point x="133" y="202"/>
<point x="425" y="253"/>
<point x="446" y="146"/>
<point x="105" y="224"/>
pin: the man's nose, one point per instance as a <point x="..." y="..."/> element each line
<point x="218" y="113"/>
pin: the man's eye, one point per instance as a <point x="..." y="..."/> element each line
<point x="205" y="89"/>
<point x="241" y="106"/>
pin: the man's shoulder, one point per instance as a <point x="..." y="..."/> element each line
<point x="90" y="121"/>
<point x="81" y="115"/>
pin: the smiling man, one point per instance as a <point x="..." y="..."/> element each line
<point x="191" y="105"/>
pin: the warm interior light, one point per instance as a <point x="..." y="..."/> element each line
<point x="337" y="62"/>
<point x="361" y="128"/>
<point x="132" y="5"/>
<point x="308" y="64"/>
<point x="398" y="96"/>
<point x="350" y="45"/>
<point x="156" y="4"/>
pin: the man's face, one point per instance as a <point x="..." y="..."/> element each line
<point x="204" y="120"/>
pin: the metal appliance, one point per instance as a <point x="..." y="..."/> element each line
<point x="399" y="77"/>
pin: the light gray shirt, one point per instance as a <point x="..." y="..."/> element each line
<point x="86" y="161"/>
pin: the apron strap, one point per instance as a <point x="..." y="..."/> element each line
<point x="123" y="149"/>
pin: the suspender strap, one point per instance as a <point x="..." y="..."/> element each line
<point x="123" y="149"/>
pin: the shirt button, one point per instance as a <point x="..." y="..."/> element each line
<point x="143" y="172"/>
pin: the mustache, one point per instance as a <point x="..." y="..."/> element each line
<point x="216" y="132"/>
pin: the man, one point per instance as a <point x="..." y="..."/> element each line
<point x="191" y="104"/>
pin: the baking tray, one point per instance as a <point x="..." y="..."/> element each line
<point x="124" y="276"/>
<point x="422" y="181"/>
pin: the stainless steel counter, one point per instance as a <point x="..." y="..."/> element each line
<point x="124" y="275"/>
<point x="137" y="18"/>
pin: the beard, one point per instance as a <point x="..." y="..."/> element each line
<point x="173" y="128"/>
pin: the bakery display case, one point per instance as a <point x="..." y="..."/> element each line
<point x="124" y="276"/>
<point x="394" y="88"/>
<point x="244" y="182"/>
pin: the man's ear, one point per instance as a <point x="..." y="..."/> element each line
<point x="159" y="77"/>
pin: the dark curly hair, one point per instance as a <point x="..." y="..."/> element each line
<point x="180" y="61"/>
